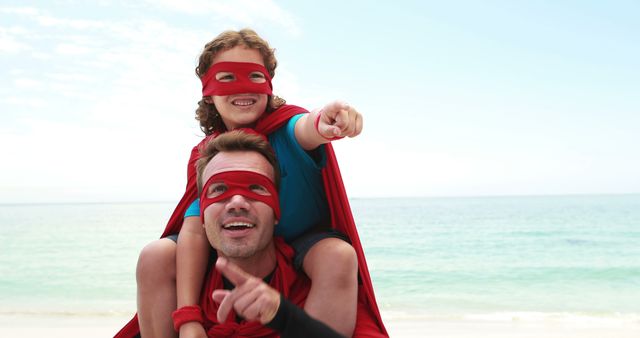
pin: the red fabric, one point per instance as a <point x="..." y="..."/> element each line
<point x="368" y="323"/>
<point x="239" y="182"/>
<point x="285" y="279"/>
<point x="242" y="80"/>
<point x="185" y="314"/>
<point x="342" y="219"/>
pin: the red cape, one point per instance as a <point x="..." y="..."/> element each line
<point x="369" y="323"/>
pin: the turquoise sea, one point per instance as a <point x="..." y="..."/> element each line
<point x="429" y="258"/>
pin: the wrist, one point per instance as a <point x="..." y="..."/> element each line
<point x="186" y="314"/>
<point x="192" y="330"/>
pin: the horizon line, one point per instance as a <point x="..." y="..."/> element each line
<point x="350" y="198"/>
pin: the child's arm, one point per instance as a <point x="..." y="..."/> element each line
<point x="191" y="264"/>
<point x="335" y="120"/>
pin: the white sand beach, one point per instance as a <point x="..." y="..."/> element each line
<point x="504" y="329"/>
<point x="76" y="327"/>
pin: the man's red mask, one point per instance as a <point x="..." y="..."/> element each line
<point x="241" y="84"/>
<point x="240" y="183"/>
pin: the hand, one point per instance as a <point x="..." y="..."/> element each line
<point x="252" y="298"/>
<point x="338" y="119"/>
<point x="192" y="330"/>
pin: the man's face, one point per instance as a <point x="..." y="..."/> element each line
<point x="238" y="227"/>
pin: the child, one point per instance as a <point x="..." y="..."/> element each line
<point x="236" y="70"/>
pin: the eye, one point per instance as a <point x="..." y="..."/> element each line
<point x="225" y="77"/>
<point x="259" y="189"/>
<point x="216" y="189"/>
<point x="257" y="77"/>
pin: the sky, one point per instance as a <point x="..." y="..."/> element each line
<point x="459" y="98"/>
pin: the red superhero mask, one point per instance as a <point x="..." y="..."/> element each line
<point x="241" y="83"/>
<point x="240" y="183"/>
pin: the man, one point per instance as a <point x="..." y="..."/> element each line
<point x="237" y="180"/>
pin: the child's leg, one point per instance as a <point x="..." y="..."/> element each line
<point x="332" y="266"/>
<point x="156" y="279"/>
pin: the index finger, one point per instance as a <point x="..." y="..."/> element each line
<point x="233" y="273"/>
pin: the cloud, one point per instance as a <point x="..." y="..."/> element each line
<point x="243" y="12"/>
<point x="24" y="102"/>
<point x="10" y="40"/>
<point x="69" y="49"/>
<point x="93" y="162"/>
<point x="47" y="20"/>
<point x="25" y="83"/>
<point x="70" y="77"/>
<point x="116" y="57"/>
<point x="130" y="123"/>
<point x="30" y="11"/>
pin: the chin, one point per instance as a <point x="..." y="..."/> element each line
<point x="238" y="253"/>
<point x="248" y="122"/>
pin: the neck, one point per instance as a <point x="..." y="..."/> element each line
<point x="234" y="127"/>
<point x="260" y="264"/>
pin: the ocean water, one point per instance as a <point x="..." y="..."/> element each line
<point x="429" y="257"/>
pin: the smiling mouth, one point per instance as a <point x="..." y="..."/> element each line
<point x="243" y="102"/>
<point x="235" y="226"/>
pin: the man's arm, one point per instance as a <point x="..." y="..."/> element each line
<point x="292" y="321"/>
<point x="335" y="120"/>
<point x="255" y="300"/>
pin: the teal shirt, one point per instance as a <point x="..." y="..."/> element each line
<point x="303" y="202"/>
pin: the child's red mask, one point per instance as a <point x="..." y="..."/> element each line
<point x="241" y="84"/>
<point x="240" y="183"/>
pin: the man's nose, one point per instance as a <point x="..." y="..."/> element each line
<point x="237" y="202"/>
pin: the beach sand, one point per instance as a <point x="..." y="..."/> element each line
<point x="32" y="326"/>
<point x="90" y="326"/>
<point x="503" y="329"/>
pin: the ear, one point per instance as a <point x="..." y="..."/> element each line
<point x="208" y="99"/>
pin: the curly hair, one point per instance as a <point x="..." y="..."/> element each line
<point x="206" y="113"/>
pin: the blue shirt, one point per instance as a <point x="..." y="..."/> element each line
<point x="303" y="202"/>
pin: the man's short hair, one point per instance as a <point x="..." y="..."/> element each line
<point x="236" y="140"/>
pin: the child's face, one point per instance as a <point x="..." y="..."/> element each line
<point x="240" y="110"/>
